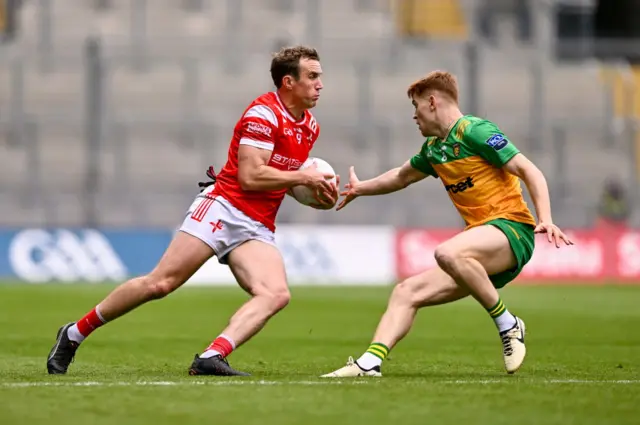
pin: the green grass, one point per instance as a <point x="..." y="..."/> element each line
<point x="448" y="370"/>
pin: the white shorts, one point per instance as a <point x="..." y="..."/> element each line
<point x="222" y="226"/>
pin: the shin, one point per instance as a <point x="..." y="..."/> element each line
<point x="259" y="269"/>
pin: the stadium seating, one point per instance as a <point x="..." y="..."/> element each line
<point x="625" y="91"/>
<point x="175" y="85"/>
<point x="433" y="19"/>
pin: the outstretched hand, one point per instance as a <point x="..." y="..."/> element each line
<point x="350" y="189"/>
<point x="554" y="234"/>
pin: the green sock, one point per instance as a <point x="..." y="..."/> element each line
<point x="374" y="356"/>
<point x="501" y="316"/>
<point x="379" y="350"/>
<point x="497" y="309"/>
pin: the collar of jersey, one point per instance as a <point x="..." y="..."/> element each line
<point x="451" y="128"/>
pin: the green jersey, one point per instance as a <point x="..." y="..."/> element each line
<point x="469" y="162"/>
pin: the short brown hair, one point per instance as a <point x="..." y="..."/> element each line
<point x="440" y="81"/>
<point x="287" y="62"/>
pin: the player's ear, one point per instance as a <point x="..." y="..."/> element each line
<point x="287" y="82"/>
<point x="432" y="102"/>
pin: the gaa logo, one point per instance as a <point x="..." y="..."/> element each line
<point x="38" y="255"/>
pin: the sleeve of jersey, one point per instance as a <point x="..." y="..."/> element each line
<point x="420" y="162"/>
<point x="259" y="126"/>
<point x="490" y="143"/>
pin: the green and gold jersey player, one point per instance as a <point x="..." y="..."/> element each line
<point x="470" y="162"/>
<point x="481" y="171"/>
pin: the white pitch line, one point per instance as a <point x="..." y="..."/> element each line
<point x="302" y="383"/>
<point x="587" y="381"/>
<point x="170" y="383"/>
<point x="544" y="382"/>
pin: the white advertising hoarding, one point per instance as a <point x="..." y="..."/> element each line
<point x="324" y="255"/>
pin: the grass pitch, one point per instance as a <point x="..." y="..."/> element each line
<point x="583" y="364"/>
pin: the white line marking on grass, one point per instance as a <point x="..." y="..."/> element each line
<point x="302" y="383"/>
<point x="587" y="381"/>
<point x="169" y="383"/>
<point x="544" y="381"/>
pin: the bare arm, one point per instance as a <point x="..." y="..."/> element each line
<point x="391" y="181"/>
<point x="521" y="167"/>
<point x="533" y="178"/>
<point x="255" y="174"/>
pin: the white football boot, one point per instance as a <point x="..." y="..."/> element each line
<point x="352" y="370"/>
<point x="513" y="348"/>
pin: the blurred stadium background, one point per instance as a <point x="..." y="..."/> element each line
<point x="111" y="110"/>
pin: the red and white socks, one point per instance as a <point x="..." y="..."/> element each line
<point x="83" y="327"/>
<point x="223" y="345"/>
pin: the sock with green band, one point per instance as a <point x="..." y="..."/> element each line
<point x="501" y="316"/>
<point x="374" y="356"/>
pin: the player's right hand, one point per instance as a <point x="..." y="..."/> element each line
<point x="324" y="203"/>
<point x="318" y="181"/>
<point x="350" y="191"/>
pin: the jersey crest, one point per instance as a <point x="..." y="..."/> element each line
<point x="456" y="149"/>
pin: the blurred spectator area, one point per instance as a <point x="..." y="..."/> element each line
<point x="431" y="19"/>
<point x="120" y="130"/>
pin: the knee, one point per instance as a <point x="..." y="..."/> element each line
<point x="277" y="299"/>
<point x="281" y="299"/>
<point x="445" y="256"/>
<point x="405" y="294"/>
<point x="158" y="287"/>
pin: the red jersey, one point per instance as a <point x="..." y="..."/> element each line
<point x="266" y="124"/>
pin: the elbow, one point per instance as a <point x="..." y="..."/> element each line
<point x="402" y="181"/>
<point x="247" y="182"/>
<point x="532" y="174"/>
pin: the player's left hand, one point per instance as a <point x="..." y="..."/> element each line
<point x="327" y="201"/>
<point x="554" y="234"/>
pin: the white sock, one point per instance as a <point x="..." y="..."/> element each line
<point x="505" y="321"/>
<point x="210" y="351"/>
<point x="368" y="361"/>
<point x="74" y="334"/>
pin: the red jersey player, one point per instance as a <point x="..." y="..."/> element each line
<point x="234" y="218"/>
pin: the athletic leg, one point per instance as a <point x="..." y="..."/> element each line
<point x="469" y="258"/>
<point x="184" y="256"/>
<point x="259" y="269"/>
<point x="433" y="287"/>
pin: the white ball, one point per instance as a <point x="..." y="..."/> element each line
<point x="305" y="195"/>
